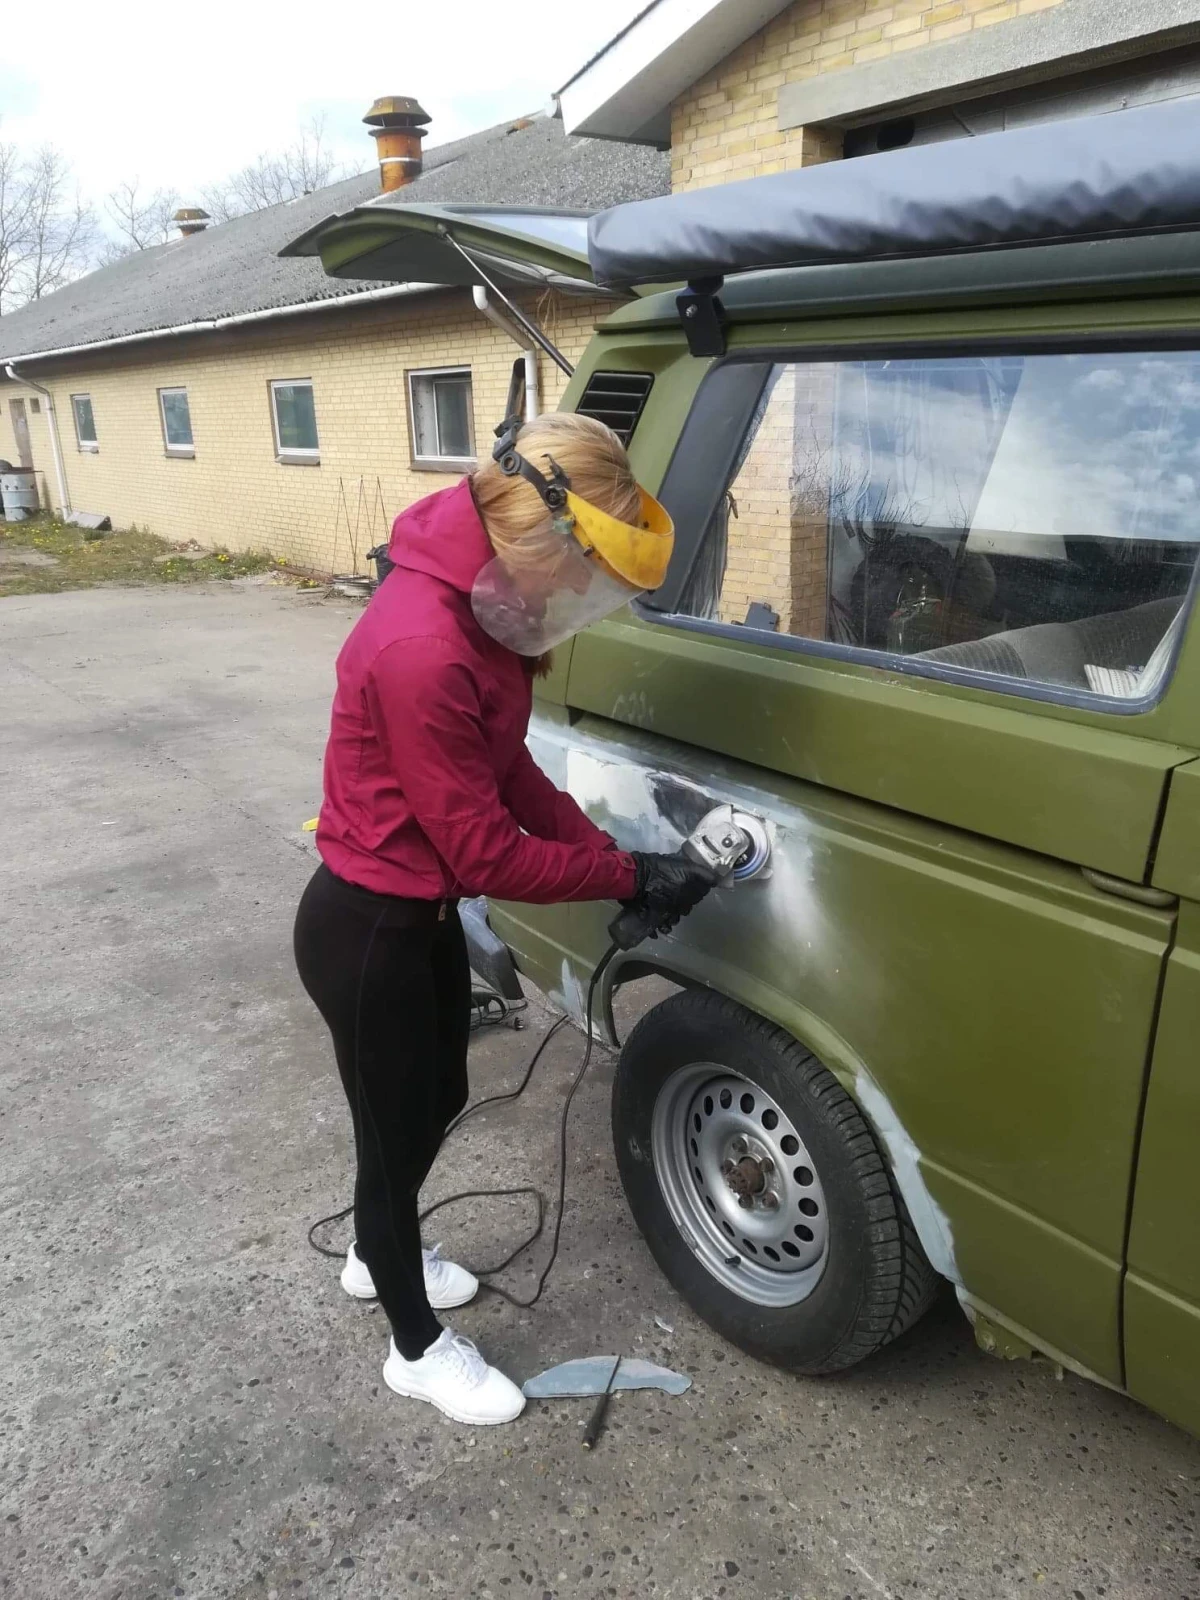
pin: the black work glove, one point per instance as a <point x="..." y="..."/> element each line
<point x="667" y="887"/>
<point x="671" y="885"/>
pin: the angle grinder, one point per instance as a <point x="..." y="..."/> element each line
<point x="735" y="844"/>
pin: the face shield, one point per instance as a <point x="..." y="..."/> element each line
<point x="575" y="567"/>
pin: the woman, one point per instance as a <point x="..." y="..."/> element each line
<point x="430" y="795"/>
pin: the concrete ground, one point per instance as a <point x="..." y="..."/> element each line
<point x="191" y="1407"/>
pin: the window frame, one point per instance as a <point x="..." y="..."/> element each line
<point x="421" y="463"/>
<point x="698" y="474"/>
<point x="293" y="455"/>
<point x="183" y="452"/>
<point x="88" y="446"/>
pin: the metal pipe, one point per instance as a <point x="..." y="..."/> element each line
<point x="533" y="399"/>
<point x="533" y="393"/>
<point x="64" y="503"/>
<point x="531" y="328"/>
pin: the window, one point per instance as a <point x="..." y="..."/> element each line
<point x="295" y="420"/>
<point x="440" y="421"/>
<point x="1029" y="517"/>
<point x="176" y="422"/>
<point x="85" y="422"/>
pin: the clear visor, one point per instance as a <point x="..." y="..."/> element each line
<point x="545" y="588"/>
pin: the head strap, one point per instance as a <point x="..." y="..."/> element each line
<point x="552" y="489"/>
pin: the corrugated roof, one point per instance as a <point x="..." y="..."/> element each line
<point x="235" y="268"/>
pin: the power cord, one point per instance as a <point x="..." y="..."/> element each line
<point x="485" y="1273"/>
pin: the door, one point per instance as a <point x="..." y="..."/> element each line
<point x="925" y="616"/>
<point x="20" y="425"/>
<point x="1162" y="1290"/>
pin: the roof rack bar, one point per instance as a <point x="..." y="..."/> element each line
<point x="703" y="316"/>
<point x="530" y="327"/>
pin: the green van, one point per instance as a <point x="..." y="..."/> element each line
<point x="935" y="470"/>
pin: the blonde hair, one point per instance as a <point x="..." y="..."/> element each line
<point x="590" y="454"/>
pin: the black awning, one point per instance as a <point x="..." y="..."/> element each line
<point x="1125" y="173"/>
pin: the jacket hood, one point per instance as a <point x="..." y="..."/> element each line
<point x="442" y="536"/>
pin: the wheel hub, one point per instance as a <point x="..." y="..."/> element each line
<point x="740" y="1184"/>
<point x="749" y="1180"/>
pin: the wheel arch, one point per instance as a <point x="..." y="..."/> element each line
<point x="696" y="970"/>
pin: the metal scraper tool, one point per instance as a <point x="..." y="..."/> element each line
<point x="592" y="1432"/>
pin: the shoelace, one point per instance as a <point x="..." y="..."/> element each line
<point x="465" y="1358"/>
<point x="435" y="1267"/>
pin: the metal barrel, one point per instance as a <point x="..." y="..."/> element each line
<point x="18" y="495"/>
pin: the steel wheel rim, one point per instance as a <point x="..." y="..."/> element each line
<point x="705" y="1120"/>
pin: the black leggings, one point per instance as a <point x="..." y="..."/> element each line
<point x="393" y="983"/>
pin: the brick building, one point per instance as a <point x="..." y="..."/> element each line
<point x="741" y="88"/>
<point x="737" y="89"/>
<point x="198" y="384"/>
<point x="207" y="389"/>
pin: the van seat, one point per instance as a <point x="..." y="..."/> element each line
<point x="1058" y="652"/>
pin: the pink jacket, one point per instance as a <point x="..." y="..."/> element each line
<point x="430" y="791"/>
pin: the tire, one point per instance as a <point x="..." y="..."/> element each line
<point x="686" y="1077"/>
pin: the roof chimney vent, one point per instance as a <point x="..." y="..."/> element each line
<point x="190" y="219"/>
<point x="397" y="126"/>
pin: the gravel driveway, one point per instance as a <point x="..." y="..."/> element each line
<point x="191" y="1407"/>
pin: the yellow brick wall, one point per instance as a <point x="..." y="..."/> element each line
<point x="234" y="492"/>
<point x="758" y="552"/>
<point x="726" y="126"/>
<point x="777" y="546"/>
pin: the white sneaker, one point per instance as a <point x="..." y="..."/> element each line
<point x="446" y="1284"/>
<point x="356" y="1277"/>
<point x="454" y="1377"/>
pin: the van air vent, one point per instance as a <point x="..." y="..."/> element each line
<point x="616" y="399"/>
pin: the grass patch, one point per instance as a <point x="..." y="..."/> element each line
<point x="129" y="557"/>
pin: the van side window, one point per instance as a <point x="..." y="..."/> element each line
<point x="1032" y="516"/>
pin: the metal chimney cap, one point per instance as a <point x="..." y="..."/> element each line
<point x="190" y="214"/>
<point x="397" y="110"/>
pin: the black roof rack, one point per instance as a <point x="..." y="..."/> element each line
<point x="1127" y="173"/>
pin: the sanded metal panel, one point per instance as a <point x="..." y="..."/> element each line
<point x="1082" y="794"/>
<point x="996" y="1006"/>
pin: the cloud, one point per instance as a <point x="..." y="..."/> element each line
<point x="1091" y="445"/>
<point x="180" y="98"/>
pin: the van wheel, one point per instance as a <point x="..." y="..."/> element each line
<point x="760" y="1189"/>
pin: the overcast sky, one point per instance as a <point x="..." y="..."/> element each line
<point x="178" y="96"/>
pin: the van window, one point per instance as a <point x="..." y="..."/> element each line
<point x="1033" y="517"/>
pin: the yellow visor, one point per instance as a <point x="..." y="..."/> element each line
<point x="640" y="555"/>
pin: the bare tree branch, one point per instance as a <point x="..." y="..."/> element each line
<point x="219" y="200"/>
<point x="62" y="228"/>
<point x="142" y="219"/>
<point x="49" y="234"/>
<point x="14" y="225"/>
<point x="46" y="231"/>
<point x="270" y="179"/>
